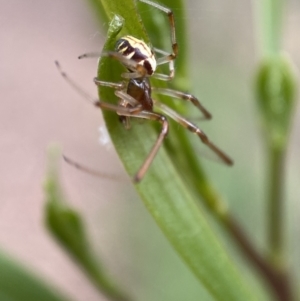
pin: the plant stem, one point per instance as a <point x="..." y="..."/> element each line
<point x="274" y="94"/>
<point x="270" y="13"/>
<point x="275" y="278"/>
<point x="275" y="206"/>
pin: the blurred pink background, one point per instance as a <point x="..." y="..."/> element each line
<point x="38" y="107"/>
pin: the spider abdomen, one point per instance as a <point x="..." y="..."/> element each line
<point x="140" y="90"/>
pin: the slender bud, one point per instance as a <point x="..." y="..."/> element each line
<point x="276" y="95"/>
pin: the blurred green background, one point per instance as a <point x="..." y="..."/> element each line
<point x="38" y="107"/>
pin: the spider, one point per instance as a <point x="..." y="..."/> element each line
<point x="134" y="92"/>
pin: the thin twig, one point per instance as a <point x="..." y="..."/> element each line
<point x="277" y="279"/>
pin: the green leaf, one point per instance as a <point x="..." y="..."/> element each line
<point x="99" y="11"/>
<point x="68" y="228"/>
<point x="162" y="190"/>
<point x="16" y="284"/>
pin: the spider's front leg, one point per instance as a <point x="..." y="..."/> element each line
<point x="172" y="56"/>
<point x="120" y="110"/>
<point x="164" y="60"/>
<point x="136" y="69"/>
<point x="125" y="100"/>
<point x="163" y="133"/>
<point x="166" y="56"/>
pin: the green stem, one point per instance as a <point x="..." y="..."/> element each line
<point x="275" y="85"/>
<point x="275" y="210"/>
<point x="270" y="13"/>
<point x="271" y="25"/>
<point x="277" y="279"/>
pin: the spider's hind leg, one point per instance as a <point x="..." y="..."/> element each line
<point x="196" y="130"/>
<point x="184" y="96"/>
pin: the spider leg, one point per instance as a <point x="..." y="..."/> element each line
<point x="164" y="131"/>
<point x="96" y="102"/>
<point x="119" y="87"/>
<point x="89" y="55"/>
<point x="92" y="171"/>
<point x="184" y="96"/>
<point x="170" y="14"/>
<point x="194" y="129"/>
<point x="136" y="111"/>
<point x="161" y="61"/>
<point x="138" y="71"/>
<point x="128" y="101"/>
<point x="125" y="99"/>
<point x="145" y="166"/>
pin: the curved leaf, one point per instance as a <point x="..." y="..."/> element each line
<point x="68" y="228"/>
<point x="18" y="285"/>
<point x="162" y="189"/>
